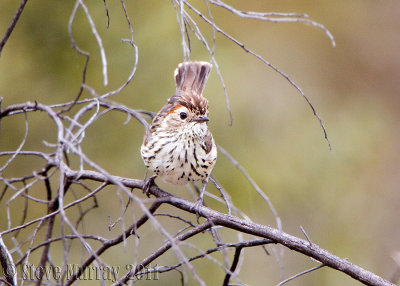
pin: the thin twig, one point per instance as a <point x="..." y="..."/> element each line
<point x="98" y="39"/>
<point x="196" y="30"/>
<point x="259" y="57"/>
<point x="235" y="223"/>
<point x="225" y="196"/>
<point x="206" y="254"/>
<point x="21" y="145"/>
<point x="107" y="13"/>
<point x="109" y="243"/>
<point x="235" y="262"/>
<point x="7" y="264"/>
<point x="54" y="239"/>
<point x="255" y="186"/>
<point x="11" y="27"/>
<point x="198" y="229"/>
<point x="275" y="17"/>
<point x="176" y="217"/>
<point x="79" y="51"/>
<point x="300" y="274"/>
<point x="305" y="234"/>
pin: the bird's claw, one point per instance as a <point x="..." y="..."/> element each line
<point x="148" y="184"/>
<point x="196" y="208"/>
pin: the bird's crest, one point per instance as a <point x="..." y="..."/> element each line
<point x="190" y="78"/>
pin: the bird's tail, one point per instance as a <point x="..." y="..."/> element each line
<point x="192" y="76"/>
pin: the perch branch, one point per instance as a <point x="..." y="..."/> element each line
<point x="277" y="236"/>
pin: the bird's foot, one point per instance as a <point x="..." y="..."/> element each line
<point x="196" y="208"/>
<point x="148" y="184"/>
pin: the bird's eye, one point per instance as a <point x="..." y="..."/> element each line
<point x="183" y="115"/>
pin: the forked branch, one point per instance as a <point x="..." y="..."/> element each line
<point x="232" y="222"/>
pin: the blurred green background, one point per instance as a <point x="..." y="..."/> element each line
<point x="347" y="200"/>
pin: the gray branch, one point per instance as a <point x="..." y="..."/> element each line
<point x="232" y="222"/>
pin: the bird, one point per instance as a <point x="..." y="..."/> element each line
<point x="178" y="145"/>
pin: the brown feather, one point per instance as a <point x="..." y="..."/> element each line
<point x="190" y="78"/>
<point x="171" y="149"/>
<point x="209" y="142"/>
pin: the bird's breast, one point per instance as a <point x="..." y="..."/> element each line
<point x="179" y="159"/>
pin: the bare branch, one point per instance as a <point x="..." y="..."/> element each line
<point x="107" y="13"/>
<point x="162" y="249"/>
<point x="98" y="39"/>
<point x="235" y="223"/>
<point x="255" y="186"/>
<point x="199" y="35"/>
<point x="301" y="273"/>
<point x="79" y="51"/>
<point x="109" y="243"/>
<point x="54" y="239"/>
<point x="14" y="21"/>
<point x="231" y="38"/>
<point x="275" y="17"/>
<point x="67" y="178"/>
<point x="235" y="262"/>
<point x="7" y="264"/>
<point x="15" y="154"/>
<point x="305" y="234"/>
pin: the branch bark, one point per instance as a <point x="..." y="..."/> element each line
<point x="232" y="222"/>
<point x="7" y="264"/>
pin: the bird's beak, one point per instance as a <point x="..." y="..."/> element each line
<point x="201" y="119"/>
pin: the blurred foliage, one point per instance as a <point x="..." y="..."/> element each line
<point x="347" y="200"/>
